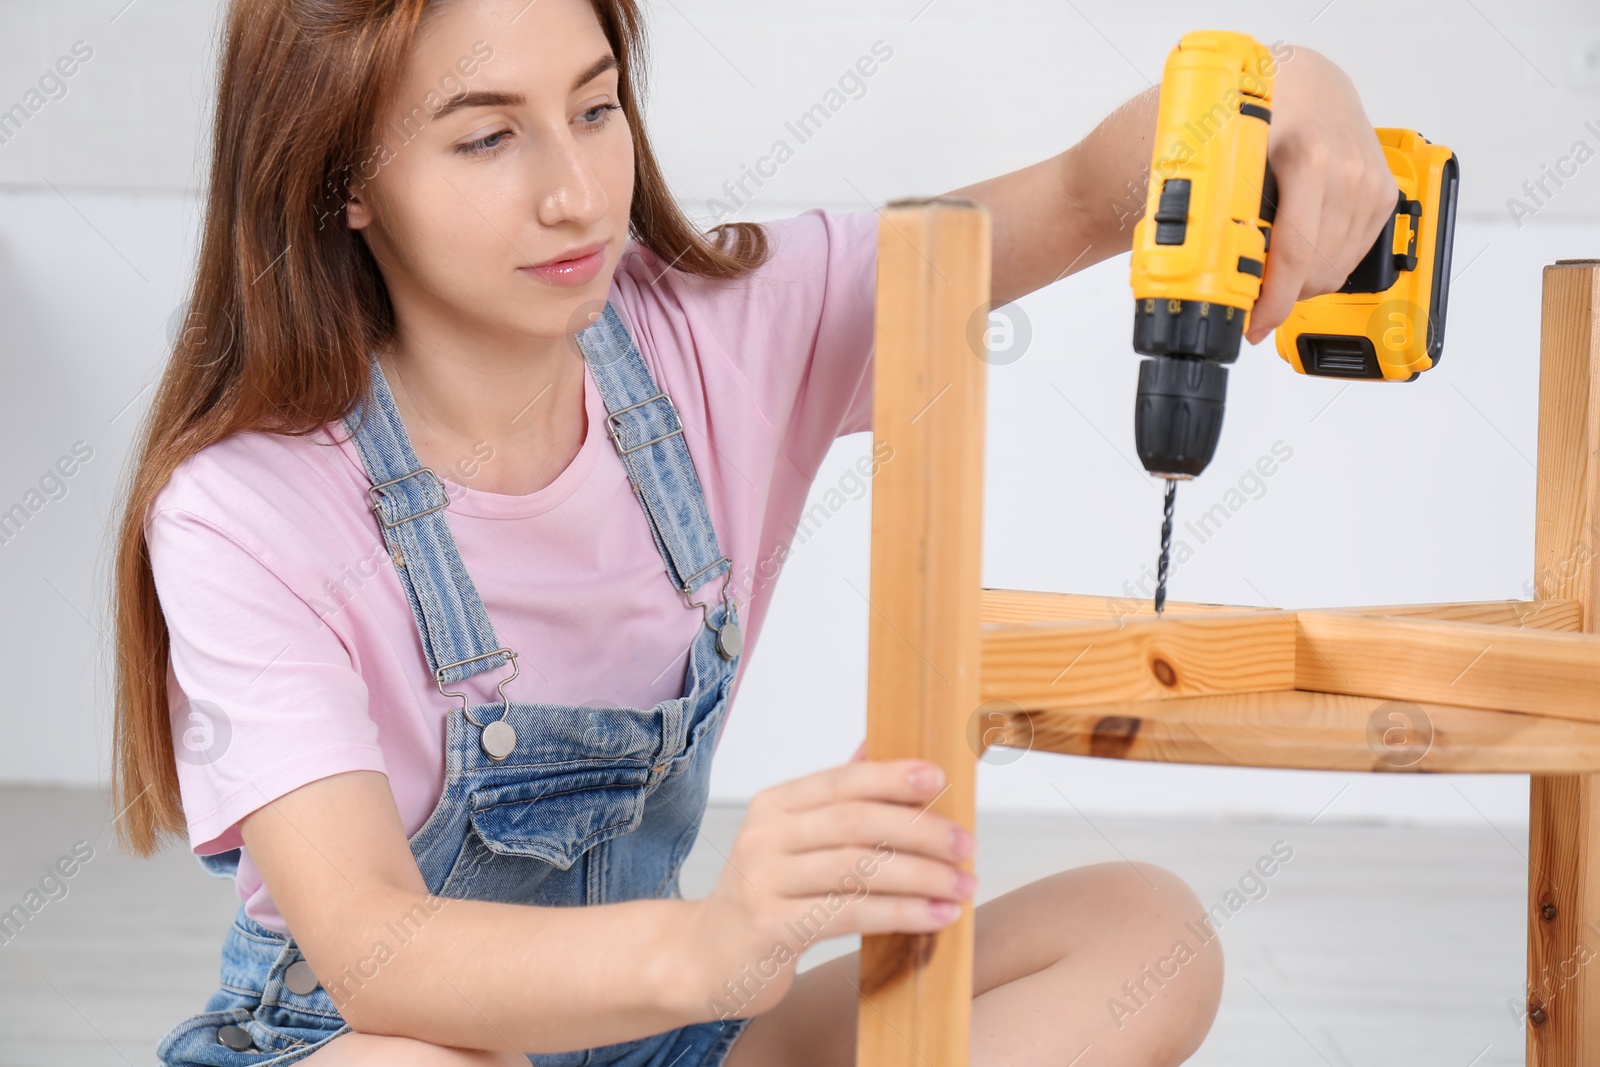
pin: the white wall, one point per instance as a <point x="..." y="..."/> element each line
<point x="1392" y="494"/>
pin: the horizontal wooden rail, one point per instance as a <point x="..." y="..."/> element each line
<point x="1036" y="665"/>
<point x="1304" y="731"/>
<point x="1539" y="614"/>
<point x="1026" y="605"/>
<point x="1468" y="664"/>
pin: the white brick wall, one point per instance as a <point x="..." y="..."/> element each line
<point x="1424" y="493"/>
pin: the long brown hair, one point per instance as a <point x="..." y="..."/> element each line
<point x="301" y="88"/>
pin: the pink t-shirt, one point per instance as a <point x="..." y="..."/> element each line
<point x="289" y="625"/>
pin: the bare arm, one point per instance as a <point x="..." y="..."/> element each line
<point x="1073" y="210"/>
<point x="1077" y="208"/>
<point x="471" y="974"/>
<point x="845" y="850"/>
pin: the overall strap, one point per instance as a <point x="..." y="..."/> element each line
<point x="409" y="499"/>
<point x="648" y="434"/>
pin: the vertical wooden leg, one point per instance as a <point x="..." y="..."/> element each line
<point x="923" y="655"/>
<point x="1563" y="1020"/>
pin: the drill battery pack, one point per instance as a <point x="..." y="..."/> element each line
<point x="1388" y="320"/>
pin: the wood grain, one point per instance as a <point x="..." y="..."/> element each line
<point x="1303" y="731"/>
<point x="1026" y="605"/>
<point x="1564" y="809"/>
<point x="1023" y="605"/>
<point x="1540" y="614"/>
<point x="915" y="1003"/>
<point x="1036" y="665"/>
<point x="1470" y="664"/>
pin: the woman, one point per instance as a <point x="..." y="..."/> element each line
<point x="375" y="546"/>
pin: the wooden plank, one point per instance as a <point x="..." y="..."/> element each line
<point x="1564" y="809"/>
<point x="1539" y="614"/>
<point x="1026" y="605"/>
<point x="1038" y="665"/>
<point x="1467" y="664"/>
<point x="915" y="1001"/>
<point x="1304" y="731"/>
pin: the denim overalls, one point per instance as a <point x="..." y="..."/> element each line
<point x="543" y="804"/>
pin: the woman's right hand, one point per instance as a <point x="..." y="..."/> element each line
<point x="847" y="850"/>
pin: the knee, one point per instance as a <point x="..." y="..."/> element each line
<point x="1168" y="893"/>
<point x="1142" y="893"/>
<point x="1193" y="949"/>
<point x="1171" y="936"/>
<point x="1168" y="907"/>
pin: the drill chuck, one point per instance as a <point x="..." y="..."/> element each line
<point x="1182" y="390"/>
<point x="1178" y="414"/>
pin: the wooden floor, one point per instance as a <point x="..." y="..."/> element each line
<point x="1374" y="945"/>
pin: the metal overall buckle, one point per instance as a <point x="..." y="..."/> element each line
<point x="377" y="504"/>
<point x="499" y="737"/>
<point x="616" y="429"/>
<point x="730" y="639"/>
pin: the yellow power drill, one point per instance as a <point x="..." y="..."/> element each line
<point x="1201" y="247"/>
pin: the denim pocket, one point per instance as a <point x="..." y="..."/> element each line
<point x="562" y="812"/>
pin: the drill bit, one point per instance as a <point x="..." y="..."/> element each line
<point x="1166" y="545"/>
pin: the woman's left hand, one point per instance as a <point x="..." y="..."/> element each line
<point x="1335" y="189"/>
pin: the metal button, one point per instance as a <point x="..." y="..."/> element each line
<point x="729" y="640"/>
<point x="300" y="978"/>
<point x="499" y="740"/>
<point x="236" y="1038"/>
